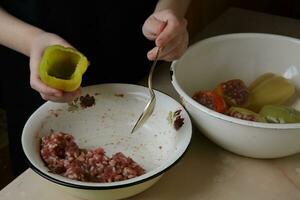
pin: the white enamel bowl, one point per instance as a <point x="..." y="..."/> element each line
<point x="244" y="56"/>
<point x="157" y="146"/>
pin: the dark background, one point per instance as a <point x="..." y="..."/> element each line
<point x="202" y="12"/>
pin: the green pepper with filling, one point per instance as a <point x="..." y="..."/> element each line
<point x="280" y="114"/>
<point x="62" y="68"/>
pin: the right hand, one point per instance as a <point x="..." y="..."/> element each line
<point x="169" y="32"/>
<point x="38" y="45"/>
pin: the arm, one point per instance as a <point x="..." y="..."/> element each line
<point x="31" y="41"/>
<point x="16" y="34"/>
<point x="179" y="7"/>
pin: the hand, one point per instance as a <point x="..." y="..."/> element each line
<point x="169" y="32"/>
<point x="39" y="43"/>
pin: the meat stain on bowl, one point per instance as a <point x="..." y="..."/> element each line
<point x="81" y="102"/>
<point x="56" y="112"/>
<point x="119" y="95"/>
<point x="87" y="101"/>
<point x="175" y="119"/>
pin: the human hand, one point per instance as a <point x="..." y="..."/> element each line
<point x="169" y="32"/>
<point x="38" y="45"/>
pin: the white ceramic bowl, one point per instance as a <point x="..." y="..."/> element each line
<point x="244" y="56"/>
<point x="156" y="146"/>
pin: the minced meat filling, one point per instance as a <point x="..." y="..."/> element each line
<point x="63" y="156"/>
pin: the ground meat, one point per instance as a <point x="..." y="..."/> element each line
<point x="178" y="122"/>
<point x="63" y="156"/>
<point x="175" y="119"/>
<point x="81" y="102"/>
<point x="119" y="95"/>
<point x="87" y="101"/>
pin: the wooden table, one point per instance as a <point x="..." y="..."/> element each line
<point x="206" y="172"/>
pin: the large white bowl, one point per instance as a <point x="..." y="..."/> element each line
<point x="244" y="56"/>
<point x="156" y="146"/>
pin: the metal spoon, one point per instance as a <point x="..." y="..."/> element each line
<point x="151" y="104"/>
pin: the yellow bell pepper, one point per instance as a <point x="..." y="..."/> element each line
<point x="269" y="89"/>
<point x="62" y="68"/>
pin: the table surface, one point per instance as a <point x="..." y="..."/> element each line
<point x="210" y="173"/>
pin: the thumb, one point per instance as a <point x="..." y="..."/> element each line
<point x="153" y="27"/>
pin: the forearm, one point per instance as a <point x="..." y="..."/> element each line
<point x="179" y="7"/>
<point x="16" y="34"/>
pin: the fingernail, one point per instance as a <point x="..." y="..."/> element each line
<point x="162" y="27"/>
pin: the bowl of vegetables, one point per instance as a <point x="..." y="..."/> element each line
<point x="242" y="92"/>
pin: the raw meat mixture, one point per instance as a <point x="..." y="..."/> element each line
<point x="63" y="156"/>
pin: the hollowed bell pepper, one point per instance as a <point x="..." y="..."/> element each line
<point x="270" y="89"/>
<point x="62" y="68"/>
<point x="243" y="113"/>
<point x="280" y="114"/>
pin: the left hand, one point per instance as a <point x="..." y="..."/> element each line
<point x="37" y="47"/>
<point x="169" y="32"/>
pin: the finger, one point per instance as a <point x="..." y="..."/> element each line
<point x="172" y="29"/>
<point x="177" y="52"/>
<point x="173" y="55"/>
<point x="39" y="86"/>
<point x="66" y="97"/>
<point x="172" y="44"/>
<point x="151" y="55"/>
<point x="153" y="27"/>
<point x="70" y="96"/>
<point x="53" y="98"/>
